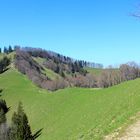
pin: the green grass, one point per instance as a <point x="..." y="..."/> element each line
<point x="50" y="74"/>
<point x="10" y="55"/>
<point x="95" y="71"/>
<point x="98" y="71"/>
<point x="72" y="113"/>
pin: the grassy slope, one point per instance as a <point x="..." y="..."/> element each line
<point x="52" y="75"/>
<point x="96" y="71"/>
<point x="75" y="113"/>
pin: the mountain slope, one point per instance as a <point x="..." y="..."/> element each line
<point x="72" y="113"/>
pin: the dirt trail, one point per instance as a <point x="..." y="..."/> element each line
<point x="131" y="133"/>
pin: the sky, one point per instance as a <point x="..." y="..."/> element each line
<point x="101" y="31"/>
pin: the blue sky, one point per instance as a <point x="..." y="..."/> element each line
<point x="94" y="30"/>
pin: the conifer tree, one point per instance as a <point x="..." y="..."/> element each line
<point x="20" y="129"/>
<point x="4" y="63"/>
<point x="5" y="50"/>
<point x="10" y="49"/>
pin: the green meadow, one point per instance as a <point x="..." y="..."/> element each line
<point x="95" y="71"/>
<point x="72" y="113"/>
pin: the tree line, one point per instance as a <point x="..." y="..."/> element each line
<point x="110" y="77"/>
<point x="19" y="128"/>
<point x="7" y="50"/>
<point x="58" y="58"/>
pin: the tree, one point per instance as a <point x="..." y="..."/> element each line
<point x="20" y="129"/>
<point x="57" y="69"/>
<point x="16" y="47"/>
<point x="129" y="71"/>
<point x="0" y="50"/>
<point x="5" y="50"/>
<point x="136" y="13"/>
<point x="4" y="63"/>
<point x="10" y="49"/>
<point x="3" y="121"/>
<point x="62" y="74"/>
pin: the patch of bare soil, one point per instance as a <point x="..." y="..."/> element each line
<point x="132" y="132"/>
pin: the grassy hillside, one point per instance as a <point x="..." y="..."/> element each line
<point x="52" y="75"/>
<point x="96" y="71"/>
<point x="73" y="113"/>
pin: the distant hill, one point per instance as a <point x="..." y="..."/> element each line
<point x="52" y="71"/>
